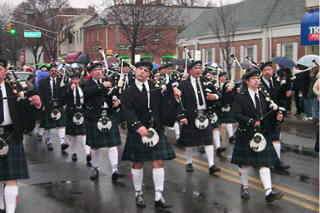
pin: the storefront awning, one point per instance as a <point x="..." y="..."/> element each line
<point x="310" y="30"/>
<point x="72" y="57"/>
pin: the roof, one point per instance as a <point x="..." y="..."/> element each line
<point x="250" y="14"/>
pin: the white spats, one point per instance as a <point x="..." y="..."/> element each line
<point x="209" y="153"/>
<point x="113" y="158"/>
<point x="10" y="197"/>
<point x="137" y="178"/>
<point x="61" y="134"/>
<point x="277" y="147"/>
<point x="95" y="157"/>
<point x="216" y="139"/>
<point x="158" y="180"/>
<point x="1" y="196"/>
<point x="265" y="176"/>
<point x="229" y="128"/>
<point x="188" y="151"/>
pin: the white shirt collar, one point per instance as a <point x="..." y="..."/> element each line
<point x="139" y="84"/>
<point x="193" y="78"/>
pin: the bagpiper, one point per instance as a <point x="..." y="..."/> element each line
<point x="146" y="108"/>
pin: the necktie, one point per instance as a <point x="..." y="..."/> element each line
<point x="54" y="88"/>
<point x="199" y="93"/>
<point x="258" y="106"/>
<point x="78" y="103"/>
<point x="270" y="84"/>
<point x="124" y="81"/>
<point x="1" y="106"/>
<point x="144" y="93"/>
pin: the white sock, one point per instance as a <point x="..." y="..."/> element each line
<point x="113" y="158"/>
<point x="35" y="130"/>
<point x="277" y="147"/>
<point x="41" y="131"/>
<point x="95" y="157"/>
<point x="73" y="143"/>
<point x="244" y="176"/>
<point x="10" y="197"/>
<point x="137" y="178"/>
<point x="229" y="128"/>
<point x="86" y="147"/>
<point x="46" y="136"/>
<point x="1" y="196"/>
<point x="176" y="130"/>
<point x="216" y="139"/>
<point x="158" y="180"/>
<point x="209" y="153"/>
<point x="265" y="176"/>
<point x="188" y="151"/>
<point x="61" y="135"/>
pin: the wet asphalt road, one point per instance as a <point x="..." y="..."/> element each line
<point x="58" y="185"/>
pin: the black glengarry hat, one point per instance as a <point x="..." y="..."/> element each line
<point x="145" y="64"/>
<point x="195" y="63"/>
<point x="250" y="73"/>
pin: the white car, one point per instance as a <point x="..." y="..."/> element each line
<point x="23" y="76"/>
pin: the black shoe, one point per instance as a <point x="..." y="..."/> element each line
<point x="213" y="169"/>
<point x="161" y="204"/>
<point x="64" y="146"/>
<point x="232" y="140"/>
<point x="281" y="166"/>
<point x="140" y="201"/>
<point x="2" y="211"/>
<point x="220" y="150"/>
<point x="95" y="174"/>
<point x="74" y="157"/>
<point x="244" y="192"/>
<point x="189" y="167"/>
<point x="89" y="160"/>
<point x="274" y="196"/>
<point x="116" y="175"/>
<point x="49" y="147"/>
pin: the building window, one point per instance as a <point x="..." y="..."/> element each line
<point x="92" y="36"/>
<point x="97" y="34"/>
<point x="248" y="51"/>
<point x="80" y="35"/>
<point x="87" y="36"/>
<point x="77" y="36"/>
<point x="288" y="51"/>
<point x="209" y="55"/>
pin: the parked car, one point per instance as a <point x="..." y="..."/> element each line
<point x="23" y="76"/>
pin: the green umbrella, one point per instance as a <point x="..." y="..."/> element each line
<point x="83" y="59"/>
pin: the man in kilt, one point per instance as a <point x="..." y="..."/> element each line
<point x="72" y="96"/>
<point x="16" y="117"/>
<point x="53" y="115"/>
<point x="100" y="106"/>
<point x="144" y="107"/>
<point x="277" y="93"/>
<point x="196" y="100"/>
<point x="249" y="108"/>
<point x="227" y="95"/>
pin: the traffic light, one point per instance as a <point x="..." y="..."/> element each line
<point x="9" y="26"/>
<point x="13" y="31"/>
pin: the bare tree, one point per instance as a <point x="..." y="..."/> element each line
<point x="5" y="15"/>
<point x="145" y="26"/>
<point x="43" y="14"/>
<point x="223" y="26"/>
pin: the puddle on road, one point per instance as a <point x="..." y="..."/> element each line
<point x="306" y="179"/>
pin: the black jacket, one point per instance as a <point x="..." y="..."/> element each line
<point x="45" y="92"/>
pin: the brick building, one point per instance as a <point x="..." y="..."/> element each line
<point x="263" y="29"/>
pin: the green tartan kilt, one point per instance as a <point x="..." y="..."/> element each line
<point x="98" y="139"/>
<point x="226" y="117"/>
<point x="119" y="117"/>
<point x="72" y="128"/>
<point x="136" y="151"/>
<point x="14" y="165"/>
<point x="191" y="136"/>
<point x="48" y="123"/>
<point x="243" y="156"/>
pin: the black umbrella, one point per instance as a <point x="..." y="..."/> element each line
<point x="283" y="61"/>
<point x="83" y="59"/>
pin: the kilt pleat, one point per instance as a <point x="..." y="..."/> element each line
<point x="14" y="165"/>
<point x="191" y="136"/>
<point x="136" y="151"/>
<point x="242" y="155"/>
<point x="226" y="117"/>
<point x="48" y="123"/>
<point x="98" y="139"/>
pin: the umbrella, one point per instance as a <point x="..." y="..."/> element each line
<point x="75" y="65"/>
<point x="214" y="65"/>
<point x="283" y="61"/>
<point x="83" y="59"/>
<point x="307" y="60"/>
<point x="155" y="66"/>
<point x="61" y="66"/>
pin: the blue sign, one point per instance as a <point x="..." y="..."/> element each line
<point x="310" y="30"/>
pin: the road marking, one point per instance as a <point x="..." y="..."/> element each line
<point x="236" y="180"/>
<point x="232" y="179"/>
<point x="256" y="180"/>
